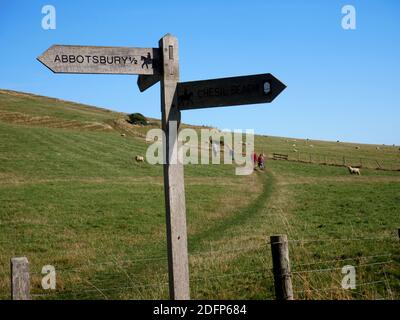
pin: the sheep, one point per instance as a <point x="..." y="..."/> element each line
<point x="311" y="146"/>
<point x="357" y="147"/>
<point x="354" y="170"/>
<point x="139" y="158"/>
<point x="377" y="148"/>
<point x="123" y="135"/>
<point x="294" y="145"/>
<point x="295" y="150"/>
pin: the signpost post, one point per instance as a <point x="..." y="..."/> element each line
<point x="162" y="64"/>
<point x="174" y="185"/>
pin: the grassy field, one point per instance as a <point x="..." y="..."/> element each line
<point x="72" y="196"/>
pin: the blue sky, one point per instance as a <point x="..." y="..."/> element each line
<point x="342" y="84"/>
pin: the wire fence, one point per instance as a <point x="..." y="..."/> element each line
<point x="224" y="270"/>
<point x="338" y="160"/>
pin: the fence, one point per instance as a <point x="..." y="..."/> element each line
<point x="339" y="161"/>
<point x="279" y="156"/>
<point x="281" y="273"/>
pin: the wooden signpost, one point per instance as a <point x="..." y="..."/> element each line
<point x="144" y="82"/>
<point x="162" y="64"/>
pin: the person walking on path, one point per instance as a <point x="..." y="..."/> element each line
<point x="261" y="160"/>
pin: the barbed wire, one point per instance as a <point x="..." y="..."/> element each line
<point x="228" y="250"/>
<point x="211" y="253"/>
<point x="233" y="274"/>
<point x="105" y="263"/>
<point x="155" y="284"/>
<point x="346" y="259"/>
<point x="44" y="241"/>
<point x="91" y="290"/>
<point x="339" y="288"/>
<point x="339" y="268"/>
<point x="336" y="239"/>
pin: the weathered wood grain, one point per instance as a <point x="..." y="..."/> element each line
<point x="20" y="282"/>
<point x="174" y="185"/>
<point x="104" y="60"/>
<point x="144" y="81"/>
<point x="281" y="267"/>
<point x="252" y="89"/>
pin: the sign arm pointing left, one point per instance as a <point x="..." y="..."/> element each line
<point x="101" y="60"/>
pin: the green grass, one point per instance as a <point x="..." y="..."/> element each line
<point x="76" y="199"/>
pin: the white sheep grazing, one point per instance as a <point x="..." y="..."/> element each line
<point x="354" y="170"/>
<point x="377" y="148"/>
<point x="123" y="134"/>
<point x="139" y="158"/>
<point x="311" y="146"/>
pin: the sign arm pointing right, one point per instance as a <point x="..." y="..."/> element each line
<point x="259" y="88"/>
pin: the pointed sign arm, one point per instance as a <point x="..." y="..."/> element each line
<point x="103" y="60"/>
<point x="251" y="89"/>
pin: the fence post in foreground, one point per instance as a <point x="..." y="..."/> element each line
<point x="281" y="267"/>
<point x="20" y="283"/>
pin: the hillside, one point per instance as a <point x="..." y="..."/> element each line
<point x="71" y="195"/>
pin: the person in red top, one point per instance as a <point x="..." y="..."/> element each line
<point x="254" y="159"/>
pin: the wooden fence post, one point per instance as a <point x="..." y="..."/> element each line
<point x="20" y="283"/>
<point x="281" y="267"/>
